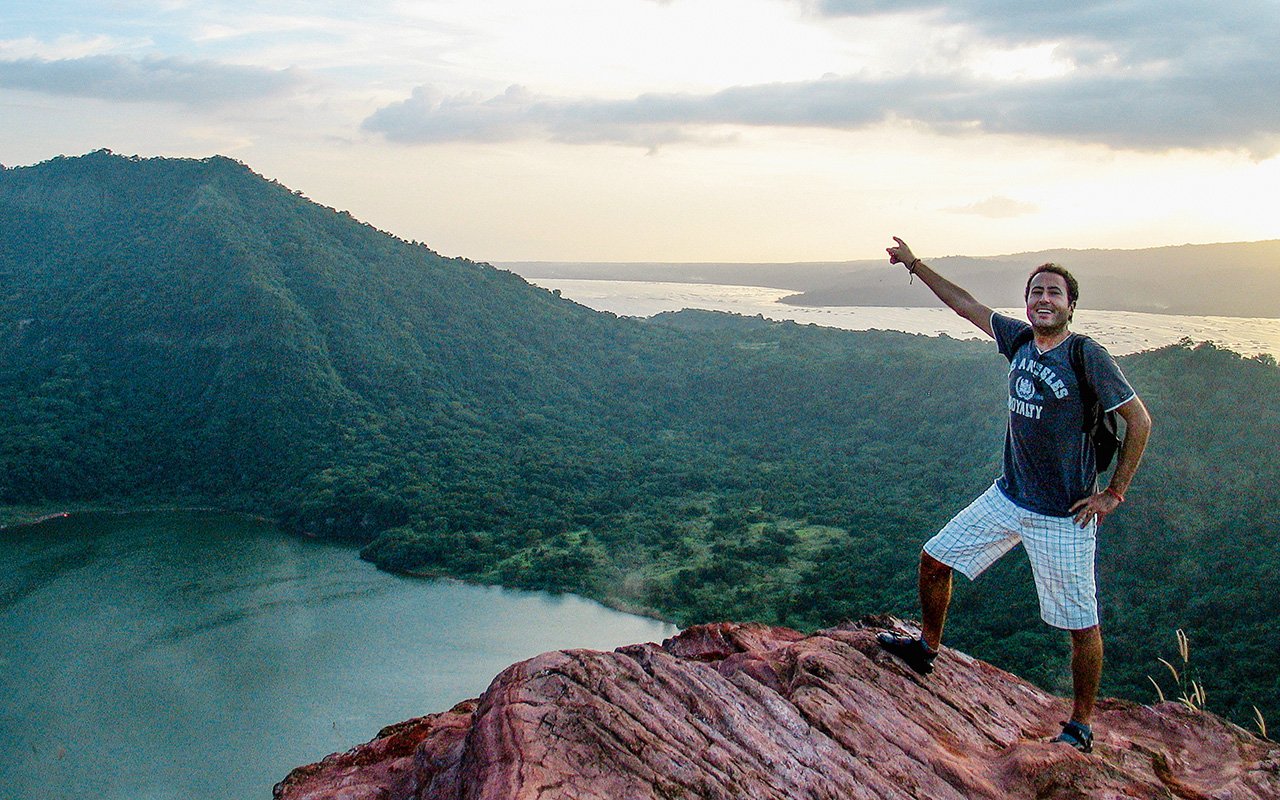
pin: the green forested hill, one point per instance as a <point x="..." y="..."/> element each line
<point x="243" y="341"/>
<point x="188" y="332"/>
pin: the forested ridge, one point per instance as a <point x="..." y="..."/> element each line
<point x="187" y="332"/>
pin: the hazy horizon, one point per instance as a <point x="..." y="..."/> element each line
<point x="1230" y="279"/>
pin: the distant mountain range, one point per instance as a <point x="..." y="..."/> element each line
<point x="1239" y="279"/>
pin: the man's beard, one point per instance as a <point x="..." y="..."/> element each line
<point x="1050" y="327"/>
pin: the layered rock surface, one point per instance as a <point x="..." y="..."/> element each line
<point x="749" y="711"/>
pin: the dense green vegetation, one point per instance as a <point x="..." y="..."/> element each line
<point x="187" y="332"/>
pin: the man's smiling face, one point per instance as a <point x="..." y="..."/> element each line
<point x="1048" y="307"/>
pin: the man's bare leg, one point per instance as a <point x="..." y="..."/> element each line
<point x="935" y="598"/>
<point x="1086" y="671"/>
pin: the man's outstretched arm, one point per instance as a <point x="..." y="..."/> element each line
<point x="957" y="299"/>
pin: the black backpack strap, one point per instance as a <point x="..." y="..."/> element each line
<point x="1102" y="426"/>
<point x="1088" y="397"/>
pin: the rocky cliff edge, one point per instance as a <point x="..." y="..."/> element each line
<point x="750" y="711"/>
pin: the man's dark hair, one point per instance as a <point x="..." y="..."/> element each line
<point x="1073" y="286"/>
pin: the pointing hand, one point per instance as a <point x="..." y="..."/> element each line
<point x="901" y="254"/>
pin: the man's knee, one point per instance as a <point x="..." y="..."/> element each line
<point x="1087" y="636"/>
<point x="933" y="569"/>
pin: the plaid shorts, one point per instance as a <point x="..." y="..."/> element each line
<point x="1060" y="551"/>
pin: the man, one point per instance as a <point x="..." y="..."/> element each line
<point x="1047" y="497"/>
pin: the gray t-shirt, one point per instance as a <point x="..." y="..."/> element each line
<point x="1048" y="462"/>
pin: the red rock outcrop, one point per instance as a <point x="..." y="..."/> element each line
<point x="748" y="711"/>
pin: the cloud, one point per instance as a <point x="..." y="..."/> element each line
<point x="997" y="208"/>
<point x="1140" y="112"/>
<point x="1132" y="29"/>
<point x="430" y="116"/>
<point x="1146" y="76"/>
<point x="649" y="119"/>
<point x="150" y="79"/>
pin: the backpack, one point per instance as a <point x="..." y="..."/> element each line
<point x="1102" y="427"/>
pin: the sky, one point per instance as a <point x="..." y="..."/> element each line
<point x="687" y="130"/>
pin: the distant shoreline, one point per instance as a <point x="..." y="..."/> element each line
<point x="1123" y="332"/>
<point x="1226" y="279"/>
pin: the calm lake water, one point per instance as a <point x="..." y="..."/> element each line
<point x="1122" y="332"/>
<point x="191" y="655"/>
